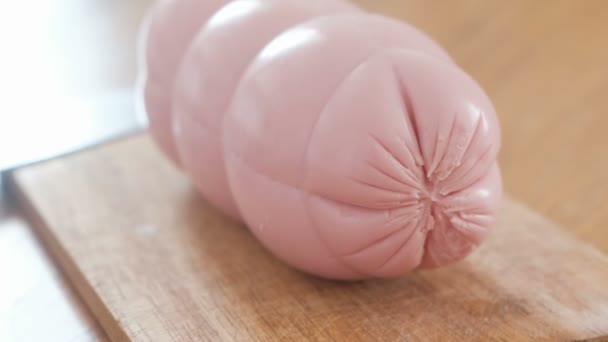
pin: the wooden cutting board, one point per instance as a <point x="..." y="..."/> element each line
<point x="156" y="263"/>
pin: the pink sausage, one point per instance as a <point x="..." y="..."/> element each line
<point x="361" y="151"/>
<point x="170" y="27"/>
<point x="351" y="144"/>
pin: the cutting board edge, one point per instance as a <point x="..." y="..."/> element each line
<point x="63" y="260"/>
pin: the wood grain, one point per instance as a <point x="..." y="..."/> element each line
<point x="155" y="262"/>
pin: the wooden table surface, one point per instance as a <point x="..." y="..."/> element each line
<point x="542" y="62"/>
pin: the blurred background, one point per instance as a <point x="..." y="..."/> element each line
<point x="67" y="68"/>
<point x="66" y="72"/>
